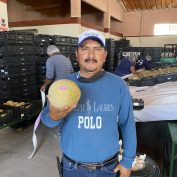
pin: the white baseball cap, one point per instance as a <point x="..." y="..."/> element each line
<point x="91" y="34"/>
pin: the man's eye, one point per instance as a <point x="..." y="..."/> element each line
<point x="98" y="48"/>
<point x="84" y="48"/>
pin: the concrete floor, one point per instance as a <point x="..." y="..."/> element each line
<point x="16" y="146"/>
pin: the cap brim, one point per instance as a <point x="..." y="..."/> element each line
<point x="93" y="38"/>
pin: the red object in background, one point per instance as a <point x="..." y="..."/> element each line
<point x="3" y="26"/>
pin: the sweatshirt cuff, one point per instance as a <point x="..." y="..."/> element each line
<point x="127" y="162"/>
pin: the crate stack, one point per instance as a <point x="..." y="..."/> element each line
<point x="67" y="47"/>
<point x="5" y="92"/>
<point x="63" y="43"/>
<point x="110" y="60"/>
<point x="73" y="59"/>
<point x="18" y="66"/>
<point x="121" y="46"/>
<point x="41" y="43"/>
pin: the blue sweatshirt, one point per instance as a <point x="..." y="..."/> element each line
<point x="90" y="133"/>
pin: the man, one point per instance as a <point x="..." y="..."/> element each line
<point x="142" y="63"/>
<point x="90" y="136"/>
<point x="57" y="66"/>
<point x="126" y="66"/>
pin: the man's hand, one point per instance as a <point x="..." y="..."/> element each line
<point x="43" y="88"/>
<point x="59" y="113"/>
<point x="124" y="172"/>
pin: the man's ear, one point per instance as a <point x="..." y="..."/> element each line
<point x="76" y="53"/>
<point x="106" y="53"/>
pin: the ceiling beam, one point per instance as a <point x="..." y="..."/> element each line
<point x="126" y="4"/>
<point x="43" y="7"/>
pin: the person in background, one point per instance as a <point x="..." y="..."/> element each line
<point x="91" y="129"/>
<point x="57" y="66"/>
<point x="142" y="63"/>
<point x="125" y="67"/>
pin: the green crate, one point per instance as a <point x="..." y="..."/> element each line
<point x="168" y="60"/>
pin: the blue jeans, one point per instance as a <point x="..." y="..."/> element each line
<point x="72" y="170"/>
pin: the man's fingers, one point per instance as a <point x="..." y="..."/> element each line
<point x="116" y="169"/>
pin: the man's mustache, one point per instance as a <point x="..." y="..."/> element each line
<point x="90" y="60"/>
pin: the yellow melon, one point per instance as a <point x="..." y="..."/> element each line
<point x="64" y="92"/>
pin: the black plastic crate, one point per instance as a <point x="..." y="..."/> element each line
<point x="41" y="59"/>
<point x="63" y="48"/>
<point x="6" y="116"/>
<point x="25" y="38"/>
<point x="174" y="76"/>
<point x="10" y="37"/>
<point x="20" y="36"/>
<point x="29" y="37"/>
<point x="9" y="69"/>
<point x="27" y="70"/>
<point x="4" y="66"/>
<point x="41" y="69"/>
<point x="30" y="91"/>
<point x="28" y="79"/>
<point x="5" y="82"/>
<point x="134" y="83"/>
<point x="1" y="36"/>
<point x="41" y="50"/>
<point x="11" y="50"/>
<point x="3" y="52"/>
<point x="5" y="93"/>
<point x="32" y="96"/>
<point x="163" y="78"/>
<point x="74" y="41"/>
<point x="41" y="77"/>
<point x="62" y="40"/>
<point x="147" y="81"/>
<point x="24" y="59"/>
<point x="41" y="39"/>
<point x="24" y="50"/>
<point x="23" y="111"/>
<point x="15" y="81"/>
<point x="73" y="48"/>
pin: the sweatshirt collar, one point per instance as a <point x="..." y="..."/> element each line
<point x="92" y="79"/>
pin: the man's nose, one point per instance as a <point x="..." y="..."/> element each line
<point x="91" y="53"/>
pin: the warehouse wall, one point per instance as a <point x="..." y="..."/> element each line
<point x="153" y="41"/>
<point x="142" y="23"/>
<point x="62" y="29"/>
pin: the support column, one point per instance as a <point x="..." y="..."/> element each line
<point x="107" y="22"/>
<point x="75" y="8"/>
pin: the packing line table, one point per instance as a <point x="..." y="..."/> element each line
<point x="160" y="102"/>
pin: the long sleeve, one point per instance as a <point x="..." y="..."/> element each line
<point x="127" y="128"/>
<point x="46" y="120"/>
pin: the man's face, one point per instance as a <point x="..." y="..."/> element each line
<point x="91" y="57"/>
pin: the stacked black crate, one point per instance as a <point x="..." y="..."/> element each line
<point x="5" y="90"/>
<point x="64" y="44"/>
<point x="41" y="43"/>
<point x="74" y="42"/>
<point x="19" y="65"/>
<point x="22" y="56"/>
<point x="155" y="53"/>
<point x="110" y="63"/>
<point x="121" y="46"/>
